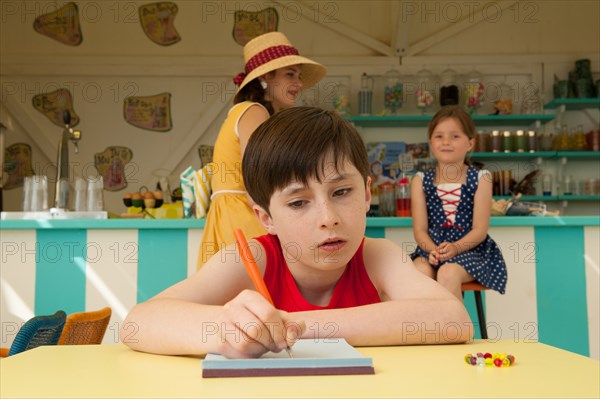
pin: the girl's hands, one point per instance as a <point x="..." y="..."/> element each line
<point x="433" y="258"/>
<point x="250" y="326"/>
<point x="445" y="251"/>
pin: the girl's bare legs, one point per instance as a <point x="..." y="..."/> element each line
<point x="424" y="267"/>
<point x="451" y="276"/>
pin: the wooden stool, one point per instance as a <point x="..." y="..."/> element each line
<point x="477" y="288"/>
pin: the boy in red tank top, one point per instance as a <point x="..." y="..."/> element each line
<point x="307" y="172"/>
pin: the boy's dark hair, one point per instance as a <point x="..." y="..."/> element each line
<point x="292" y="145"/>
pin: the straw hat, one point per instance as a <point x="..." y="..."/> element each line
<point x="272" y="51"/>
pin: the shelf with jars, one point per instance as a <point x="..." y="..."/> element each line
<point x="423" y="120"/>
<point x="573" y="104"/>
<point x="566" y="197"/>
<point x="583" y="155"/>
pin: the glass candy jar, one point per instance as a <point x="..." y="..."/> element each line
<point x="341" y="99"/>
<point x="532" y="103"/>
<point x="503" y="105"/>
<point x="449" y="87"/>
<point x="424" y="93"/>
<point x="365" y="95"/>
<point x="473" y="89"/>
<point x="393" y="92"/>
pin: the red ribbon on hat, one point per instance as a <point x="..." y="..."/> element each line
<point x="269" y="54"/>
<point x="239" y="78"/>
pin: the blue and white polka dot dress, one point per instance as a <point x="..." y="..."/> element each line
<point x="485" y="261"/>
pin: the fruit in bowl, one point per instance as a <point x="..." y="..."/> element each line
<point x="127" y="200"/>
<point x="177" y="195"/>
<point x="137" y="200"/>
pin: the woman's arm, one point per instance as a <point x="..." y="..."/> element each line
<point x="249" y="121"/>
<point x="415" y="308"/>
<point x="418" y="206"/>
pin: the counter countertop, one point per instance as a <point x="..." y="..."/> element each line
<point x="382" y="222"/>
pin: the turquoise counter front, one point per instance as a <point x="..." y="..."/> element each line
<point x="76" y="265"/>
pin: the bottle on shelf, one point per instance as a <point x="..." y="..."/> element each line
<point x="520" y="141"/>
<point x="387" y="200"/>
<point x="449" y="87"/>
<point x="473" y="92"/>
<point x="546" y="140"/>
<point x="393" y="91"/>
<point x="578" y="139"/>
<point x="365" y="95"/>
<point x="532" y="102"/>
<point x="561" y="142"/>
<point x="482" y="141"/>
<point x="496" y="141"/>
<point x="503" y="105"/>
<point x="424" y="92"/>
<point x="403" y="197"/>
<point x="341" y="99"/>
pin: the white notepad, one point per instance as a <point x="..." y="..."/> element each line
<point x="311" y="357"/>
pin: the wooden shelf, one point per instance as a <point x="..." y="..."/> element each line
<point x="584" y="155"/>
<point x="513" y="155"/>
<point x="423" y="120"/>
<point x="574" y="104"/>
<point x="530" y="197"/>
<point x="552" y="197"/>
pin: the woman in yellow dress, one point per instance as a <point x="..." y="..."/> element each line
<point x="274" y="75"/>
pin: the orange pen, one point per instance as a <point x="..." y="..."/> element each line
<point x="252" y="269"/>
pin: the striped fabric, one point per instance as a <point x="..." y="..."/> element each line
<point x="196" y="189"/>
<point x="202" y="190"/>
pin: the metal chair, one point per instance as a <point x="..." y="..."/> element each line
<point x="477" y="287"/>
<point x="38" y="331"/>
<point x="85" y="328"/>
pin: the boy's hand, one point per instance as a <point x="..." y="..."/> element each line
<point x="446" y="250"/>
<point x="250" y="326"/>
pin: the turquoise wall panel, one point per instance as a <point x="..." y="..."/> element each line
<point x="60" y="271"/>
<point x="162" y="260"/>
<point x="375" y="232"/>
<point x="561" y="291"/>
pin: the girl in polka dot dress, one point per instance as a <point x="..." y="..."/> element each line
<point x="451" y="207"/>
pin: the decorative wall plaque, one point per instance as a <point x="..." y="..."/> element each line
<point x="54" y="104"/>
<point x="150" y="113"/>
<point x="250" y="24"/>
<point x="111" y="166"/>
<point x="157" y="22"/>
<point x="17" y="162"/>
<point x="61" y="25"/>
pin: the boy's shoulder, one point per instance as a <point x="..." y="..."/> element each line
<point x="381" y="251"/>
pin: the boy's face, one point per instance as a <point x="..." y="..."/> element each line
<point x="322" y="224"/>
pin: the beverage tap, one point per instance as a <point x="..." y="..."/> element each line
<point x="62" y="163"/>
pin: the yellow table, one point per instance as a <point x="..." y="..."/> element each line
<point x="410" y="371"/>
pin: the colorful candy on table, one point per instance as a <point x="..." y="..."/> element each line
<point x="490" y="360"/>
